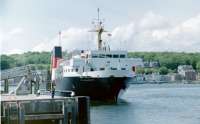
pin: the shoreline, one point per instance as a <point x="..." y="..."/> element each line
<point x="165" y="82"/>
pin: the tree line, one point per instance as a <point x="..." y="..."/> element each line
<point x="40" y="59"/>
<point x="169" y="61"/>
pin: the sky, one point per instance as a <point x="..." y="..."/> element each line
<point x="135" y="25"/>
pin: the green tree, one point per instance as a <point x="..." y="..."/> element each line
<point x="41" y="60"/>
<point x="163" y="70"/>
<point x="140" y="70"/>
<point x="7" y="62"/>
<point x="4" y="64"/>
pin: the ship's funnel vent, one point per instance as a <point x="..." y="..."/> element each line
<point x="55" y="57"/>
<point x="57" y="52"/>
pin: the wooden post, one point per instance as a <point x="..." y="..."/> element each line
<point x="74" y="112"/>
<point x="6" y="86"/>
<point x="83" y="109"/>
<point x="36" y="87"/>
<point x="68" y="112"/>
<point x="21" y="113"/>
<point x="65" y="112"/>
<point x="31" y="86"/>
<point x="7" y="113"/>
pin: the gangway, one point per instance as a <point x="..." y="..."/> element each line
<point x="30" y="76"/>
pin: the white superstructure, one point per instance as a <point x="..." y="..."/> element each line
<point x="102" y="63"/>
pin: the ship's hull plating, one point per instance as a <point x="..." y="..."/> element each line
<point x="98" y="89"/>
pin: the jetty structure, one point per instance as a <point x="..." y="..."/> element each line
<point x="28" y="104"/>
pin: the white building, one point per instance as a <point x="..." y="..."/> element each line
<point x="187" y="72"/>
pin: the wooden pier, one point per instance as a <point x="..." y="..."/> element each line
<point x="32" y="109"/>
<point x="21" y="106"/>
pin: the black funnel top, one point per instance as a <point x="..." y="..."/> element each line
<point x="57" y="51"/>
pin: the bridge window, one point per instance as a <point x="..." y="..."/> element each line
<point x="122" y="56"/>
<point x="102" y="69"/>
<point x="113" y="68"/>
<point x="94" y="56"/>
<point x="115" y="56"/>
<point x="101" y="56"/>
<point x="109" y="56"/>
<point x="123" y="68"/>
<point x="76" y="69"/>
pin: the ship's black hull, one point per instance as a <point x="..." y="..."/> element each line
<point x="98" y="89"/>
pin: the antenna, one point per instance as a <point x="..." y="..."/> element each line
<point x="99" y="29"/>
<point x="59" y="38"/>
<point x="98" y="14"/>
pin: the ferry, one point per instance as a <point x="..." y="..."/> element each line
<point x="100" y="74"/>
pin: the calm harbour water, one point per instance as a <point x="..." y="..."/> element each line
<point x="152" y="104"/>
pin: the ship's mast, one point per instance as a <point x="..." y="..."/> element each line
<point x="99" y="29"/>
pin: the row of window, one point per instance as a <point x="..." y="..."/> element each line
<point x="71" y="70"/>
<point x="109" y="56"/>
<point x="91" y="69"/>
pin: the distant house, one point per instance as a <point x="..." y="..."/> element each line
<point x="135" y="63"/>
<point x="146" y="63"/>
<point x="151" y="64"/>
<point x="176" y="77"/>
<point x="198" y="77"/>
<point x="154" y="64"/>
<point x="187" y="72"/>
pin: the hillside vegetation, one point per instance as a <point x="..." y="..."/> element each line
<point x="41" y="60"/>
<point x="168" y="60"/>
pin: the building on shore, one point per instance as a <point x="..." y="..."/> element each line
<point x="151" y="64"/>
<point x="187" y="72"/>
<point x="176" y="77"/>
<point x="198" y="76"/>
